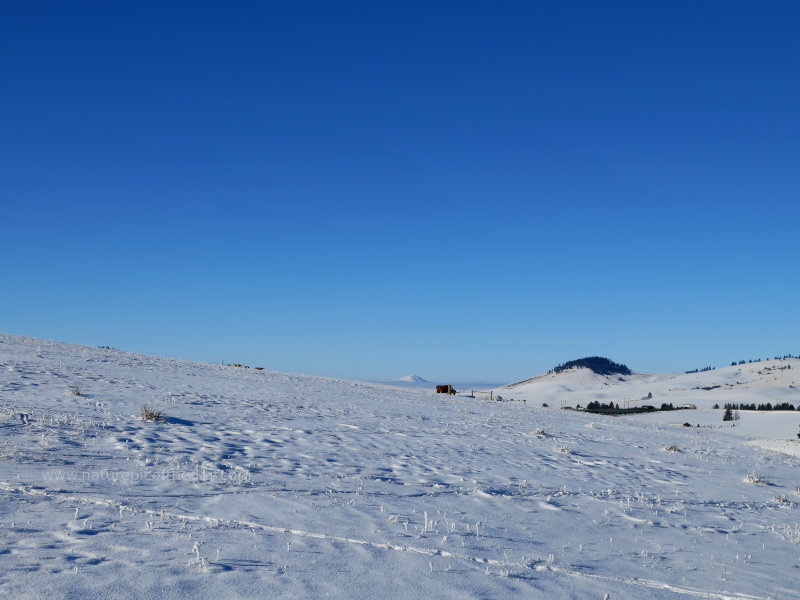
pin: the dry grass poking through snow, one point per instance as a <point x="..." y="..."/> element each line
<point x="149" y="414"/>
<point x="757" y="479"/>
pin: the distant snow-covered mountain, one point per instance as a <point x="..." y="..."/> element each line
<point x="411" y="379"/>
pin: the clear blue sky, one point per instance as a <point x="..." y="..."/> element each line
<point x="462" y="190"/>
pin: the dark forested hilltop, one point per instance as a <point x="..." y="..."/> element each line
<point x="598" y="364"/>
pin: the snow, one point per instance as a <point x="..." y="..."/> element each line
<point x="415" y="381"/>
<point x="262" y="484"/>
<point x="412" y="379"/>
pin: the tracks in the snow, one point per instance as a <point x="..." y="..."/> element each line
<point x="517" y="569"/>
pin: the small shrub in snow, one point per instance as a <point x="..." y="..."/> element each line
<point x="149" y="414"/>
<point x="540" y="432"/>
<point x="565" y="450"/>
<point x="76" y="390"/>
<point x="672" y="448"/>
<point x="757" y="479"/>
<point x="730" y="414"/>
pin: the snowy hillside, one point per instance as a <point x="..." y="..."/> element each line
<point x="773" y="381"/>
<point x="258" y="484"/>
<point x="770" y="380"/>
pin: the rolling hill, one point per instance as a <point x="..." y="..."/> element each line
<point x="261" y="484"/>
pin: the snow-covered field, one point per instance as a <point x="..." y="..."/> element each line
<point x="260" y="484"/>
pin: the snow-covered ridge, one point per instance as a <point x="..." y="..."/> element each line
<point x="775" y="381"/>
<point x="263" y="484"/>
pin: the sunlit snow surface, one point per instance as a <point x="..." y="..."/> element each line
<point x="261" y="484"/>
